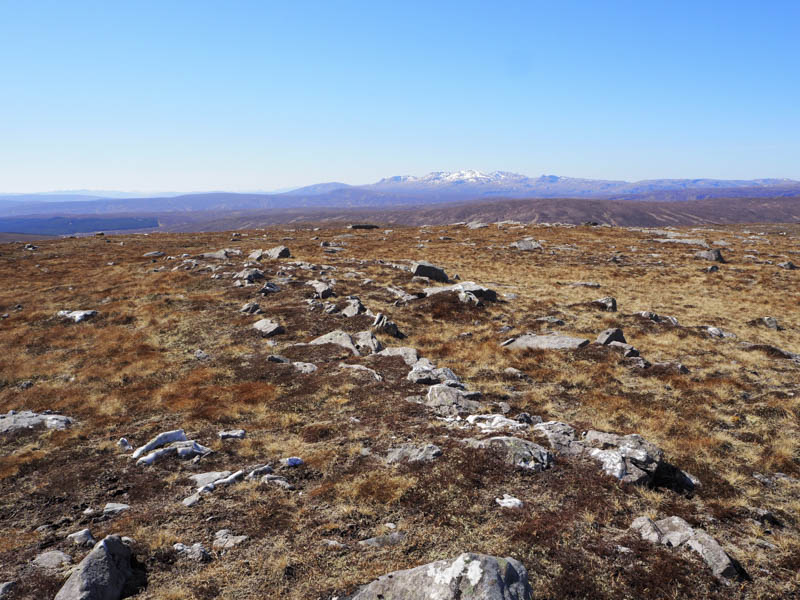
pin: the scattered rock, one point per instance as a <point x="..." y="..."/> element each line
<point x="104" y="574"/>
<point x="381" y="541"/>
<point x="225" y="540"/>
<point x="713" y="255"/>
<point x="508" y="501"/>
<point x="447" y="401"/>
<point x="113" y="509"/>
<point x="278" y="252"/>
<point x="268" y="328"/>
<point x="426" y="269"/>
<point x="232" y="434"/>
<point x="788" y="265"/>
<point x="82" y="538"/>
<point x="26" y="419"/>
<point x="611" y="335"/>
<point x="532" y="341"/>
<point x="527" y="245"/>
<point x="517" y="452"/>
<point x="77" y="315"/>
<point x="54" y="560"/>
<point x="675" y="532"/>
<point x="477" y="576"/>
<point x="413" y="453"/>
<point x="607" y="303"/>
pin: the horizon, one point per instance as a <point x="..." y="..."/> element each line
<point x="154" y="193"/>
<point x="186" y="97"/>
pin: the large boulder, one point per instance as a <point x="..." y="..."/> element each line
<point x="338" y="337"/>
<point x="426" y="269"/>
<point x="103" y="574"/>
<point x="473" y="576"/>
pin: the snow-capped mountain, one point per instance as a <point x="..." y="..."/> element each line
<point x="503" y="183"/>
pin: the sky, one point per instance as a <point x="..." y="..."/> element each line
<point x="243" y="96"/>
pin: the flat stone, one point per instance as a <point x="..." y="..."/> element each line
<point x="532" y="341"/>
<point x="54" y="560"/>
<point x="268" y="328"/>
<point x="225" y="540"/>
<point x="26" y="419"/>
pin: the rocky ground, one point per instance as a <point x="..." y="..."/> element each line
<point x="500" y="411"/>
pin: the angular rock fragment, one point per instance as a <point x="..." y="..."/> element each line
<point x="712" y="255"/>
<point x="426" y="269"/>
<point x="517" y="452"/>
<point x="413" y="453"/>
<point x="611" y="335"/>
<point x="268" y="328"/>
<point x="278" y="252"/>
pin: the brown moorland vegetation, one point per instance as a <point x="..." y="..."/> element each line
<point x="733" y="420"/>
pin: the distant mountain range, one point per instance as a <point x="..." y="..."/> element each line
<point x="402" y="192"/>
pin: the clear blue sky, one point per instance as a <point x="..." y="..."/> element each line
<point x="164" y="95"/>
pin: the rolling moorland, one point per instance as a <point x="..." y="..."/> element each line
<point x="294" y="412"/>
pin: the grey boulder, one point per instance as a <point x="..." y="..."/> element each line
<point x="474" y="576"/>
<point x="426" y="269"/>
<point x="102" y="575"/>
<point x="712" y="255"/>
<point x="268" y="328"/>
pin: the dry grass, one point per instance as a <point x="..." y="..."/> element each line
<point x="132" y="372"/>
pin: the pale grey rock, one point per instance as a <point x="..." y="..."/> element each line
<point x="162" y="439"/>
<point x="6" y="588"/>
<point x="465" y="288"/>
<point x="322" y="289"/>
<point x="26" y="419"/>
<point x="508" y="501"/>
<point x="384" y="325"/>
<point x="201" y="480"/>
<point x="611" y="335"/>
<point x="447" y="401"/>
<point x="413" y="453"/>
<point x="362" y="369"/>
<point x="82" y="538"/>
<point x="427" y="376"/>
<point x="304" y="367"/>
<point x="493" y="423"/>
<point x="656" y="318"/>
<point x="561" y="437"/>
<point x="517" y="452"/>
<point x="113" y="509"/>
<point x="713" y="255"/>
<point x="789" y="265"/>
<point x="225" y="540"/>
<point x="409" y="355"/>
<point x="338" y="337"/>
<point x="259" y="471"/>
<point x="232" y="434"/>
<point x="627" y="350"/>
<point x="588" y="284"/>
<point x="426" y="269"/>
<point x="686" y="241"/>
<point x="250" y="275"/>
<point x="531" y="341"/>
<point x="269" y="288"/>
<point x="469" y="576"/>
<point x="527" y="245"/>
<point x="354" y="307"/>
<point x="103" y="574"/>
<point x="647" y="529"/>
<point x="607" y="303"/>
<point x="54" y="560"/>
<point x="251" y="308"/>
<point x="77" y="316"/>
<point x="366" y="343"/>
<point x="153" y="254"/>
<point x="381" y="541"/>
<point x="278" y="252"/>
<point x="268" y="328"/>
<point x="184" y="450"/>
<point x="716" y="332"/>
<point x="629" y="458"/>
<point x="195" y="552"/>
